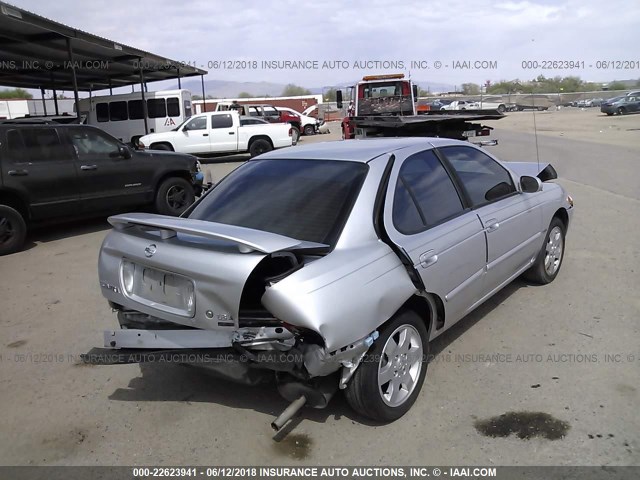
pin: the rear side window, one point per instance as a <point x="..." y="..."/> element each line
<point x="135" y="110"/>
<point x="102" y="112"/>
<point x="156" y="108"/>
<point x="36" y="145"/>
<point x="424" y="195"/>
<point x="118" y="111"/>
<point x="484" y="179"/>
<point x="173" y="107"/>
<point x="221" y="121"/>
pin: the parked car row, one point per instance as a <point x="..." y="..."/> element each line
<point x="621" y="105"/>
<point x="50" y="171"/>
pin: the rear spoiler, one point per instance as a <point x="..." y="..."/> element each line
<point x="544" y="171"/>
<point x="247" y="239"/>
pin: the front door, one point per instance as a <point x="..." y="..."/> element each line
<point x="108" y="180"/>
<point x="512" y="220"/>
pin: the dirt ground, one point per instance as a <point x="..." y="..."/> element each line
<point x="573" y="345"/>
<point x="584" y="124"/>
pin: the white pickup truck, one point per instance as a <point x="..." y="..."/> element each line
<point x="219" y="133"/>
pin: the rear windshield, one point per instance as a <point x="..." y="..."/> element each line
<point x="302" y="199"/>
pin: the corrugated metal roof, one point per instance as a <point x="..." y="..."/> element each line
<point x="34" y="54"/>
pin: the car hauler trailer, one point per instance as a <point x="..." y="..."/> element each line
<point x="385" y="106"/>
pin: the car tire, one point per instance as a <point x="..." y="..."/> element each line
<point x="295" y="135"/>
<point x="162" y="146"/>
<point x="502" y="108"/>
<point x="309" y="130"/>
<point x="621" y="111"/>
<point x="13" y="230"/>
<point x="549" y="260"/>
<point x="609" y="114"/>
<point x="259" y="146"/>
<point x="369" y="393"/>
<point x="174" y="196"/>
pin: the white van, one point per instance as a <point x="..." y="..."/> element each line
<point x="123" y="117"/>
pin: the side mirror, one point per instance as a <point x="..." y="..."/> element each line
<point x="124" y="152"/>
<point x="339" y="98"/>
<point x="530" y="184"/>
<point x="415" y="92"/>
<point x="185" y="128"/>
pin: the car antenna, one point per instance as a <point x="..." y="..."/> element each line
<point x="535" y="128"/>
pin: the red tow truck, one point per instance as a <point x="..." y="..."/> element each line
<point x="385" y="106"/>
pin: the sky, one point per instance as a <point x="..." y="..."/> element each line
<point x="451" y="41"/>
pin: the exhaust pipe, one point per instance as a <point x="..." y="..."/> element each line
<point x="288" y="413"/>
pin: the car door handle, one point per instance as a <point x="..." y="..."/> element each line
<point x="18" y="173"/>
<point x="88" y="167"/>
<point x="205" y="134"/>
<point x="232" y="133"/>
<point x="428" y="258"/>
<point x="493" y="225"/>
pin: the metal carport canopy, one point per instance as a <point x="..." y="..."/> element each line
<point x="36" y="52"/>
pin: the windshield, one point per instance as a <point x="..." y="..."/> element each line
<point x="302" y="199"/>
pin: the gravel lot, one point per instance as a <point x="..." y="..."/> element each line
<point x="568" y="350"/>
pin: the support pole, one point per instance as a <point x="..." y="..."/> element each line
<point x="179" y="85"/>
<point x="55" y="94"/>
<point x="44" y="103"/>
<point x="73" y="76"/>
<point x="204" y="98"/>
<point x="145" y="111"/>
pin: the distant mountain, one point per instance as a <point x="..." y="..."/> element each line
<point x="230" y="89"/>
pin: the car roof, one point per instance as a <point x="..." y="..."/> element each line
<point x="357" y="150"/>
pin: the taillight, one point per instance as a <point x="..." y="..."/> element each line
<point x="291" y="132"/>
<point x="141" y="145"/>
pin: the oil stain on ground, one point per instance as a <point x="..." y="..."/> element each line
<point x="295" y="446"/>
<point x="524" y="425"/>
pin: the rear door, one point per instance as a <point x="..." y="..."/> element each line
<point x="107" y="179"/>
<point x="223" y="133"/>
<point x="512" y="221"/>
<point x="40" y="167"/>
<point x="425" y="216"/>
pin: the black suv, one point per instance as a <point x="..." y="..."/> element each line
<point x="52" y="171"/>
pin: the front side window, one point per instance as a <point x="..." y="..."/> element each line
<point x="198" y="123"/>
<point x="424" y="195"/>
<point x="484" y="179"/>
<point x="92" y="142"/>
<point x="302" y="199"/>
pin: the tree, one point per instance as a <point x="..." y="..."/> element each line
<point x="15" y="93"/>
<point x="470" y="89"/>
<point x="616" y="85"/>
<point x="330" y="95"/>
<point x="292" y="90"/>
<point x="244" y="95"/>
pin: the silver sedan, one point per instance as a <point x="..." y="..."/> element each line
<point x="331" y="266"/>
